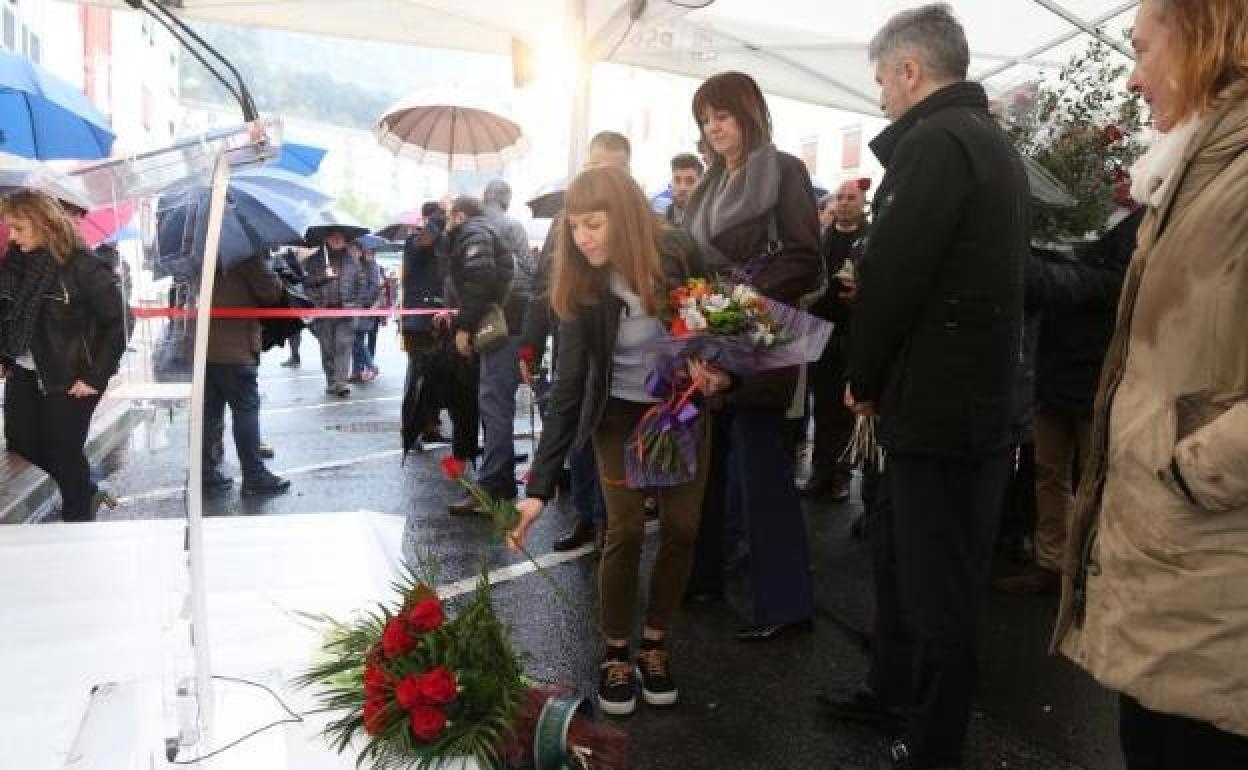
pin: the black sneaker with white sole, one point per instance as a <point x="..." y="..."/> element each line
<point x="617" y="691"/>
<point x="654" y="671"/>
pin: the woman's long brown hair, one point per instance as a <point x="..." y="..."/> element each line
<point x="632" y="232"/>
<point x="60" y="234"/>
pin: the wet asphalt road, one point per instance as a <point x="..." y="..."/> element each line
<point x="742" y="706"/>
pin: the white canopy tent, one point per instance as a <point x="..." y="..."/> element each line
<point x="807" y="50"/>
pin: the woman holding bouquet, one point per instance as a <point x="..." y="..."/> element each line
<point x="754" y="219"/>
<point x="615" y="264"/>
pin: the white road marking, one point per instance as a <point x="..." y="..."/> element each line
<point x="166" y="492"/>
<point x="329" y="404"/>
<point x="267" y="380"/>
<point x="526" y="567"/>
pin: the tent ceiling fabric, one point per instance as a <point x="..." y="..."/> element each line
<point x="806" y="50"/>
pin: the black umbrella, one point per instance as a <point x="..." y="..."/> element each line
<point x="1046" y="189"/>
<point x="333" y="221"/>
<point x="548" y="201"/>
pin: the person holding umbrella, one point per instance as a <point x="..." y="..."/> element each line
<point x="335" y="280"/>
<point x="62" y="335"/>
<point x="363" y="368"/>
<point x="234" y="346"/>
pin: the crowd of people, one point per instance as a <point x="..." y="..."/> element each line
<point x="1085" y="407"/>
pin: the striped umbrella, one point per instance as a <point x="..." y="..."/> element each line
<point x="450" y="136"/>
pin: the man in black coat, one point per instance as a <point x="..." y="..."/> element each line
<point x="934" y="349"/>
<point x="481" y="269"/>
<point x="841" y="246"/>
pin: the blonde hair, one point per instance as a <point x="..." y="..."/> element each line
<point x="632" y="233"/>
<point x="58" y="231"/>
<point x="1212" y="42"/>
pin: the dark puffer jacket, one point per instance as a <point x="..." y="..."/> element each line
<point x="481" y="269"/>
<point x="1075" y="294"/>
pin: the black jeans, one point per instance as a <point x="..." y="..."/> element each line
<point x="50" y="431"/>
<point x="236" y="385"/>
<point x="1155" y="741"/>
<point x="932" y="531"/>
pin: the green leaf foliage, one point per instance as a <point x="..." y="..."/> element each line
<point x="473" y="643"/>
<point x="1084" y="127"/>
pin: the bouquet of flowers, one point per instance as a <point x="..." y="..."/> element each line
<point x="427" y="690"/>
<point x="730" y="326"/>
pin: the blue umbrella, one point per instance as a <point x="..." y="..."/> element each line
<point x="661" y="201"/>
<point x="303" y="159"/>
<point x="264" y="208"/>
<point x="43" y="117"/>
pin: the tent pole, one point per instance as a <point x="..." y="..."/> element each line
<point x="1055" y="42"/>
<point x="579" y="119"/>
<point x="1074" y="20"/>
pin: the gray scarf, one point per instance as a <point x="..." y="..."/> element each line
<point x="25" y="279"/>
<point x="722" y="202"/>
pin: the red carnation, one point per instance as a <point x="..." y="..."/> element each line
<point x="527" y="353"/>
<point x="375" y="681"/>
<point x="864" y="184"/>
<point x="426" y="616"/>
<point x="453" y="467"/>
<point x="374" y="716"/>
<point x="427" y="723"/>
<point x="395" y="640"/>
<point x="438" y="687"/>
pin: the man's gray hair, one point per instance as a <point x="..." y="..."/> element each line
<point x="932" y="34"/>
<point x="498" y="192"/>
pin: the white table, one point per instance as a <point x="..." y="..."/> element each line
<point x="90" y="603"/>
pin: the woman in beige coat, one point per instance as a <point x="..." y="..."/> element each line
<point x="1155" y="601"/>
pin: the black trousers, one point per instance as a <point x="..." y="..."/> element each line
<point x="932" y="532"/>
<point x="50" y="431"/>
<point x="1155" y="741"/>
<point x="750" y="465"/>
<point x="834" y="424"/>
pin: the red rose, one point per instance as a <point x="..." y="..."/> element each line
<point x="453" y="467"/>
<point x="426" y="616"/>
<point x="527" y="353"/>
<point x="407" y="693"/>
<point x="864" y="184"/>
<point x="374" y="716"/>
<point x="679" y="327"/>
<point x="427" y="723"/>
<point x="395" y="640"/>
<point x="438" y="687"/>
<point x="376" y="682"/>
